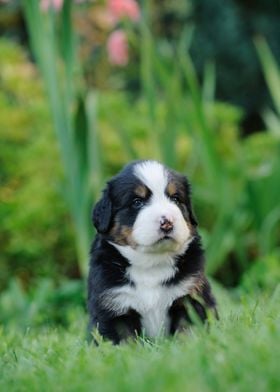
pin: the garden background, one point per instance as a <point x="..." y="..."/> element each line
<point x="87" y="86"/>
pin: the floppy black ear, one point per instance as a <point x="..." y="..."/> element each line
<point x="192" y="216"/>
<point x="102" y="213"/>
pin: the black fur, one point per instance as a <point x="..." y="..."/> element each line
<point x="102" y="213"/>
<point x="108" y="267"/>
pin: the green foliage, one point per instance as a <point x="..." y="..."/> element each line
<point x="272" y="75"/>
<point x="238" y="353"/>
<point x="36" y="235"/>
<point x="224" y="33"/>
<point x="53" y="42"/>
<point x="263" y="276"/>
<point x="43" y="304"/>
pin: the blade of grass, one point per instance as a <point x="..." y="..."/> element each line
<point x="270" y="69"/>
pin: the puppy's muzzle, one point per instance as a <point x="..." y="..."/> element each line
<point x="166" y="225"/>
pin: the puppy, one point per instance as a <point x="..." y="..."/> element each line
<point x="147" y="263"/>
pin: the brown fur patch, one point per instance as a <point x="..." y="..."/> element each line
<point x="191" y="227"/>
<point x="171" y="188"/>
<point x="202" y="292"/>
<point x="175" y="187"/>
<point x="122" y="235"/>
<point x="198" y="286"/>
<point x="141" y="191"/>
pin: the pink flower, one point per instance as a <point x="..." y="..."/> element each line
<point x="117" y="47"/>
<point x="55" y="4"/>
<point x="124" y="9"/>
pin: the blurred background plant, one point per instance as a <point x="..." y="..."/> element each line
<point x="87" y="86"/>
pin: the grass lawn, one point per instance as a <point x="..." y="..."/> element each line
<point x="239" y="353"/>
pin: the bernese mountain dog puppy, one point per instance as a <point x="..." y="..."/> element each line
<point x="147" y="262"/>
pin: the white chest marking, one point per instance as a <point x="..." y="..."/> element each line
<point x="148" y="297"/>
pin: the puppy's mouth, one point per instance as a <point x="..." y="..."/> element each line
<point x="166" y="238"/>
<point x="164" y="244"/>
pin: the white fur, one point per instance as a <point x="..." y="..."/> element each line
<point x="153" y="174"/>
<point x="149" y="297"/>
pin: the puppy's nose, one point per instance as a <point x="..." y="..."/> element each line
<point x="166" y="225"/>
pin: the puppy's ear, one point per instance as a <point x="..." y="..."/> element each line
<point x="102" y="213"/>
<point x="192" y="216"/>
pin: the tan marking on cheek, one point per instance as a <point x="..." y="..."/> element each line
<point x="122" y="235"/>
<point x="141" y="191"/>
<point x="191" y="227"/>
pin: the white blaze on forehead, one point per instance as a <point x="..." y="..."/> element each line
<point x="154" y="175"/>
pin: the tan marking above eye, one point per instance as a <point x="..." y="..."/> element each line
<point x="175" y="188"/>
<point x="141" y="191"/>
<point x="171" y="189"/>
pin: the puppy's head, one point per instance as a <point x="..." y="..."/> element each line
<point x="148" y="208"/>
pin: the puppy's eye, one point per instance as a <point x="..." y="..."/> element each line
<point x="137" y="202"/>
<point x="175" y="198"/>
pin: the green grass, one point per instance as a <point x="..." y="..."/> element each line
<point x="239" y="353"/>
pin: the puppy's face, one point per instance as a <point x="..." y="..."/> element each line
<point x="147" y="207"/>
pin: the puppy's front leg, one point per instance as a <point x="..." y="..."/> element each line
<point x="203" y="291"/>
<point x="119" y="328"/>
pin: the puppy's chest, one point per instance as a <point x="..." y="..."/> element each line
<point x="150" y="297"/>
